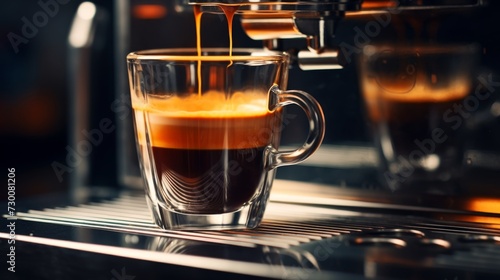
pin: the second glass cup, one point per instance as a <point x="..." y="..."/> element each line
<point x="414" y="98"/>
<point x="208" y="130"/>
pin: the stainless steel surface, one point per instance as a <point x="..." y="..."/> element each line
<point x="342" y="238"/>
<point x="327" y="59"/>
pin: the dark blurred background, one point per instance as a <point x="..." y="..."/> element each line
<point x="34" y="92"/>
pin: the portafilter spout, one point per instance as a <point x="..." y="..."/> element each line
<point x="269" y="20"/>
<point x="315" y="21"/>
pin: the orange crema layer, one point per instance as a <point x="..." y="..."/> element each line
<point x="379" y="99"/>
<point x="420" y="92"/>
<point x="209" y="121"/>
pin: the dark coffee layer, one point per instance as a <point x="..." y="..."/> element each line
<point x="209" y="181"/>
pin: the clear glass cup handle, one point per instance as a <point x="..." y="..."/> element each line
<point x="314" y="113"/>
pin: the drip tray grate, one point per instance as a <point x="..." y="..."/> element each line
<point x="284" y="225"/>
<point x="312" y="237"/>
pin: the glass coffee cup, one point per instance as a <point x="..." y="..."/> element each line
<point x="414" y="97"/>
<point x="208" y="131"/>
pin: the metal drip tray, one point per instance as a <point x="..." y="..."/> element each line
<point x="285" y="225"/>
<point x="295" y="241"/>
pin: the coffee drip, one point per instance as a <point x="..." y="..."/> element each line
<point x="229" y="12"/>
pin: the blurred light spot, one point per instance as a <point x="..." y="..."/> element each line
<point x="131" y="239"/>
<point x="81" y="33"/>
<point x="379" y="4"/>
<point x="430" y="162"/>
<point x="149" y="11"/>
<point x="495" y="109"/>
<point x="86" y="10"/>
<point x="486" y="205"/>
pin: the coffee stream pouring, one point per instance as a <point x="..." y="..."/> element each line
<point x="319" y="24"/>
<point x="316" y="22"/>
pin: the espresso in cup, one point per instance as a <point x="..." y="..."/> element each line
<point x="413" y="97"/>
<point x="419" y="123"/>
<point x="209" y="151"/>
<point x="208" y="130"/>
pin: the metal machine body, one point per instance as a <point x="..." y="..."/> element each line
<point x="317" y="21"/>
<point x="329" y="217"/>
<point x="347" y="159"/>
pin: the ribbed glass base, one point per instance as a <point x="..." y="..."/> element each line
<point x="248" y="216"/>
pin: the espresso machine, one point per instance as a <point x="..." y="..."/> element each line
<point x="325" y="40"/>
<point x="329" y="217"/>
